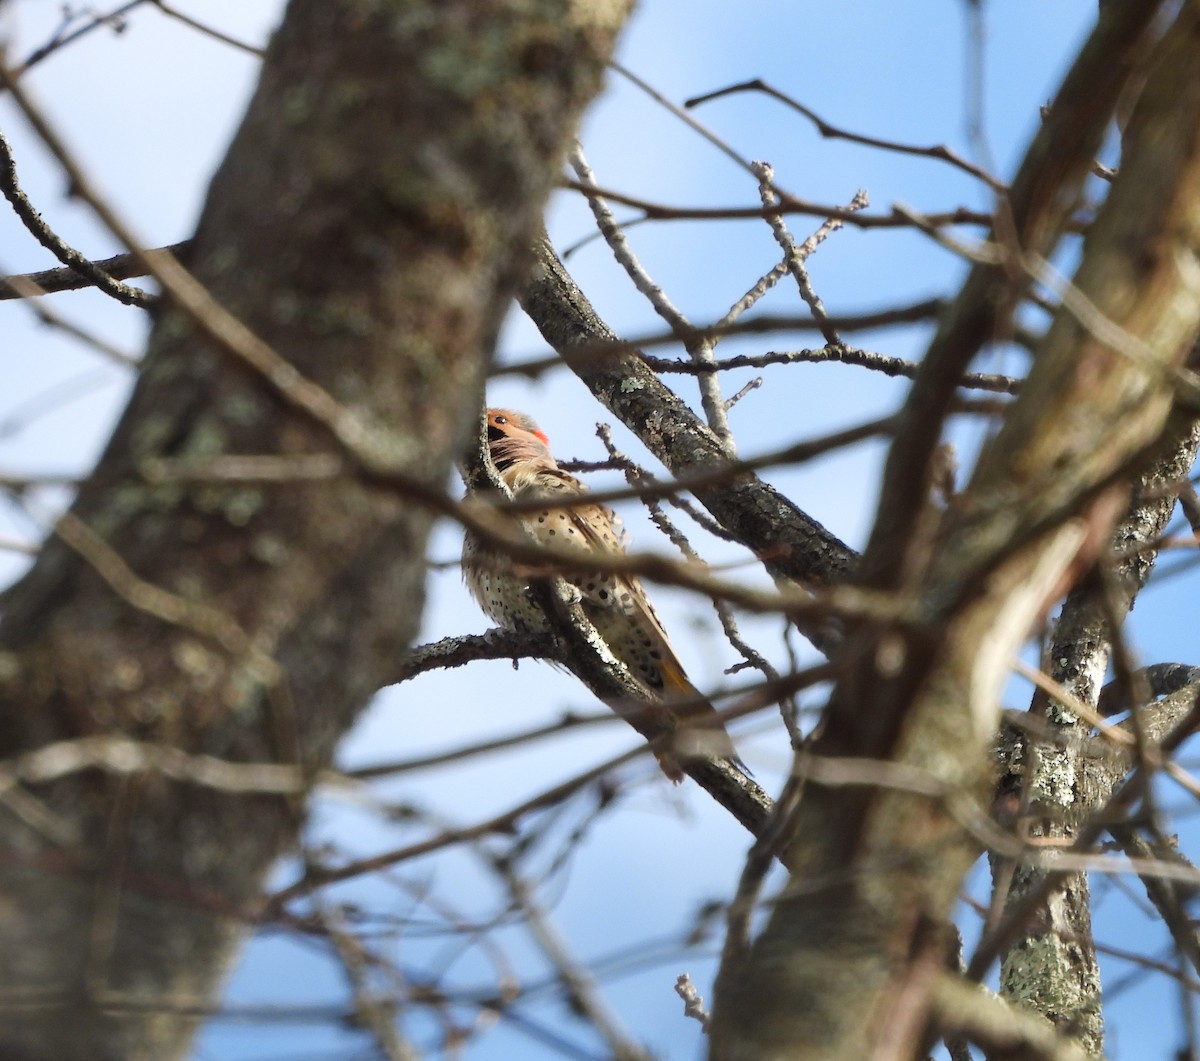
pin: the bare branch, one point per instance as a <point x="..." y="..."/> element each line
<point x="208" y="31"/>
<point x="888" y="366"/>
<point x="1000" y="1029"/>
<point x="699" y="348"/>
<point x="32" y="220"/>
<point x="693" y="1004"/>
<point x="459" y="651"/>
<point x="896" y="218"/>
<point x="49" y="281"/>
<point x="939" y="152"/>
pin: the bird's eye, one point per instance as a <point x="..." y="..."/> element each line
<point x="501" y="420"/>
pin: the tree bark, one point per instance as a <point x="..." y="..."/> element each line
<point x="848" y="960"/>
<point x="370" y="222"/>
<point x="1053" y="968"/>
<point x="792" y="545"/>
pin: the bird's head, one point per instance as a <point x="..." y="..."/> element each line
<point x="514" y="437"/>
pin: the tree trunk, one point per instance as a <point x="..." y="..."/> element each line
<point x="850" y="959"/>
<point x="371" y="222"/>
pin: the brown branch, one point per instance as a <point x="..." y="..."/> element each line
<point x="208" y="31"/>
<point x="1035" y="514"/>
<point x="788" y="204"/>
<point x="592" y="340"/>
<point x="375" y="1011"/>
<point x="503" y="822"/>
<point x="32" y="220"/>
<point x="1035" y="215"/>
<point x="123" y="757"/>
<point x="452" y="652"/>
<point x="839" y="354"/>
<point x="792" y="545"/>
<point x="50" y="281"/>
<point x="1000" y="1029"/>
<point x="939" y="152"/>
<point x="581" y="991"/>
<point x="1169" y="896"/>
<point x="61" y="38"/>
<point x="522" y="739"/>
<point x="50" y="319"/>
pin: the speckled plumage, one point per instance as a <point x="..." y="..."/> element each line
<point x="616" y="605"/>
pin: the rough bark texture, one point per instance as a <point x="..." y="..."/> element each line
<point x="853" y="945"/>
<point x="370" y="222"/>
<point x="791" y="543"/>
<point x="1053" y="968"/>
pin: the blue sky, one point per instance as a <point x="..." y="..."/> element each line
<point x="150" y="111"/>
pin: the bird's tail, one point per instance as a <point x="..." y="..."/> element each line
<point x="699" y="733"/>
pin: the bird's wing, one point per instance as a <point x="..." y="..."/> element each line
<point x="594" y="529"/>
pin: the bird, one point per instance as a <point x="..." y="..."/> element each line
<point x="616" y="604"/>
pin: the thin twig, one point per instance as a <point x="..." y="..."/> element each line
<point x="62" y="38"/>
<point x="375" y="1010"/>
<point x="693" y="1004"/>
<point x="582" y="993"/>
<point x="795" y="256"/>
<point x="123" y="756"/>
<point x="601" y="349"/>
<point x="940" y="152"/>
<point x="700" y="349"/>
<point x="208" y="31"/>
<point x="897" y="217"/>
<point x="522" y="739"/>
<point x="846" y="355"/>
<point x="69" y="256"/>
<point x="212" y="623"/>
<point x="51" y="281"/>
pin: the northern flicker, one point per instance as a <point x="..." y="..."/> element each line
<point x="615" y="604"/>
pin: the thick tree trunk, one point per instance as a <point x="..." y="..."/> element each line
<point x="849" y="960"/>
<point x="370" y="223"/>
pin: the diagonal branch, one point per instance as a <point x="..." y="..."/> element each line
<point x="792" y="544"/>
<point x="1035" y="515"/>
